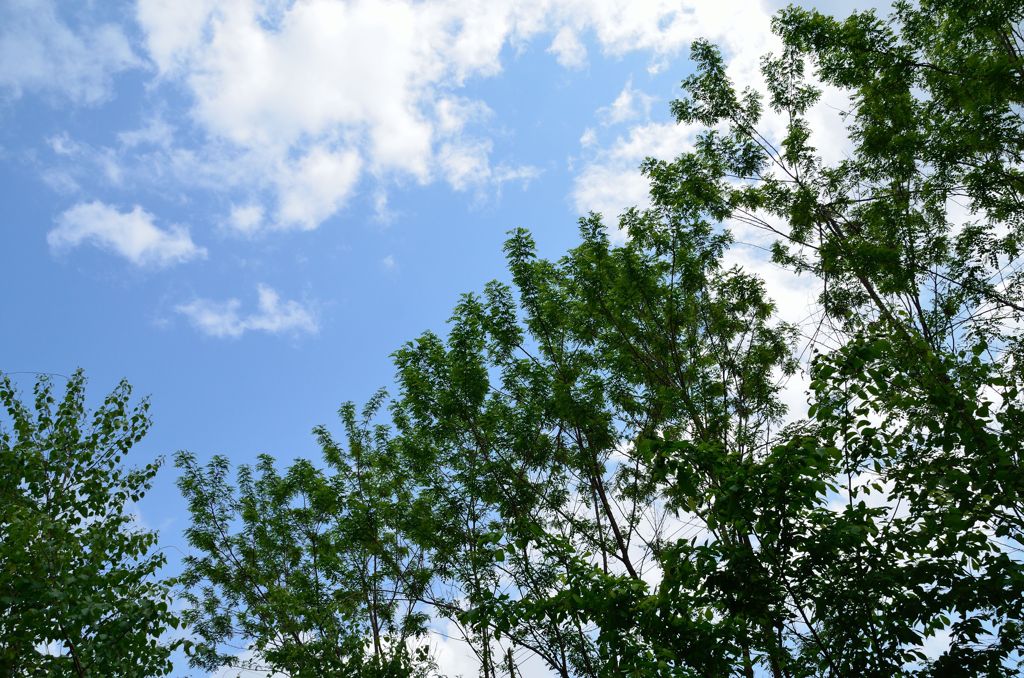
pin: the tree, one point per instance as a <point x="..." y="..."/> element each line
<point x="640" y="353"/>
<point x="918" y="394"/>
<point x="527" y="421"/>
<point x="595" y="464"/>
<point x="295" y="573"/>
<point x="79" y="591"/>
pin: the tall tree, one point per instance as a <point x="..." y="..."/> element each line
<point x="79" y="588"/>
<point x="527" y="419"/>
<point x="837" y="546"/>
<point x="917" y="395"/>
<point x="296" y="572"/>
<point x="593" y="462"/>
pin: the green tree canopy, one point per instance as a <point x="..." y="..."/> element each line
<point x="301" y="569"/>
<point x="594" y="467"/>
<point x="79" y="587"/>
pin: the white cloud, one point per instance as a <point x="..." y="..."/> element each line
<point x="828" y="129"/>
<point x="296" y="104"/>
<point x="324" y="68"/>
<point x="246" y="219"/>
<point x="568" y="49"/>
<point x="378" y="81"/>
<point x="316" y="186"/>
<point x="609" y="190"/>
<point x="39" y="52"/>
<point x="453" y="113"/>
<point x="173" y="28"/>
<point x="795" y="296"/>
<point x="346" y="87"/>
<point x="62" y="144"/>
<point x="84" y="161"/>
<point x="156" y="132"/>
<point x="456" y="658"/>
<point x="612" y="181"/>
<point x="382" y="211"/>
<point x="464" y="164"/>
<point x="629" y="104"/>
<point x="609" y="179"/>
<point x="796" y="301"/>
<point x="273" y="316"/>
<point x="663" y="27"/>
<point x="132" y="234"/>
<point x="507" y="173"/>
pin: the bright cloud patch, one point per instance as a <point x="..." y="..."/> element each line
<point x="611" y="181"/>
<point x="568" y="48"/>
<point x="293" y="105"/>
<point x="347" y="89"/>
<point x="273" y="316"/>
<point x="132" y="234"/>
<point x="313" y="95"/>
<point x="39" y="52"/>
<point x="316" y="186"/>
<point x="246" y="218"/>
<point x="631" y="103"/>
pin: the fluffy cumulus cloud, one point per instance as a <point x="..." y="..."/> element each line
<point x="310" y="99"/>
<point x="295" y="107"/>
<point x="132" y="234"/>
<point x="315" y="186"/>
<point x="568" y="48"/>
<point x="609" y="179"/>
<point x="297" y="104"/>
<point x="246" y="219"/>
<point x="313" y="96"/>
<point x="273" y="315"/>
<point x="39" y="52"/>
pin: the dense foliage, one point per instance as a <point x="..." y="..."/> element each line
<point x="79" y="592"/>
<point x="312" y="568"/>
<point x="594" y="470"/>
<point x="591" y="469"/>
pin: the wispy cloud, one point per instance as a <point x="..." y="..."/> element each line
<point x="629" y="104"/>
<point x="133" y="235"/>
<point x="611" y="181"/>
<point x="273" y="315"/>
<point x="246" y="219"/>
<point x="39" y="52"/>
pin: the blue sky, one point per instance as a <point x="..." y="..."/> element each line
<point x="243" y="207"/>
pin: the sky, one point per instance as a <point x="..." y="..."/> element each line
<point x="244" y="207"/>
